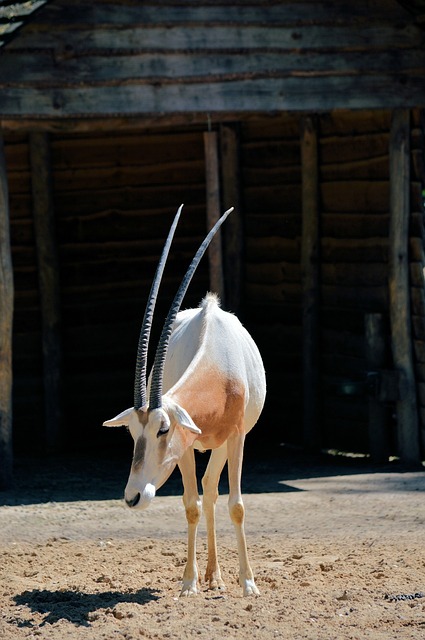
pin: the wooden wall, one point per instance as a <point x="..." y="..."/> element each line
<point x="354" y="191"/>
<point x="114" y="197"/>
<point x="131" y="58"/>
<point x="271" y="174"/>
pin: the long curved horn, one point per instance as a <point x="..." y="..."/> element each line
<point x="145" y="331"/>
<point x="155" y="399"/>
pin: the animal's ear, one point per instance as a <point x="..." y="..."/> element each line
<point x="121" y="420"/>
<point x="183" y="418"/>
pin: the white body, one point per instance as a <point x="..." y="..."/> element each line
<point x="214" y="390"/>
<point x="210" y="338"/>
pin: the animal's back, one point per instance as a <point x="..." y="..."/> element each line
<point x="215" y="337"/>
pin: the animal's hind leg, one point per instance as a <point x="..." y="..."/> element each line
<point x="210" y="486"/>
<point x="192" y="503"/>
<point x="235" y="445"/>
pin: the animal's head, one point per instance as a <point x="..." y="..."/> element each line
<point x="160" y="437"/>
<point x="161" y="429"/>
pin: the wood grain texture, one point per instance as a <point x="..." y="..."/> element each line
<point x="110" y="59"/>
<point x="6" y="319"/>
<point x="399" y="289"/>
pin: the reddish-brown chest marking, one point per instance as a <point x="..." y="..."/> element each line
<point x="215" y="404"/>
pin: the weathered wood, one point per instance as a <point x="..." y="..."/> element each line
<point x="195" y="59"/>
<point x="120" y="150"/>
<point x="184" y="37"/>
<point x="371" y="169"/>
<point x="263" y="225"/>
<point x="379" y="444"/>
<point x="357" y="250"/>
<point x="358" y="122"/>
<point x="233" y="230"/>
<point x="6" y="319"/>
<point x="238" y="97"/>
<point x="175" y="12"/>
<point x="39" y="67"/>
<point x="48" y="272"/>
<point x="273" y="272"/>
<point x="117" y="123"/>
<point x="399" y="290"/>
<point x="212" y="174"/>
<point x="351" y="196"/>
<point x="310" y="281"/>
<point x="351" y="146"/>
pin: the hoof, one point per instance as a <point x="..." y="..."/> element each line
<point x="250" y="588"/>
<point x="217" y="585"/>
<point x="189" y="590"/>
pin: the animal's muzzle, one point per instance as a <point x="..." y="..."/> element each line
<point x="134" y="501"/>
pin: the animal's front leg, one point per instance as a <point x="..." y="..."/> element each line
<point x="192" y="504"/>
<point x="210" y="486"/>
<point x="235" y="446"/>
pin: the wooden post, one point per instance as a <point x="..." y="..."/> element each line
<point x="379" y="447"/>
<point x="233" y="229"/>
<point x="6" y="319"/>
<point x="48" y="274"/>
<point x="310" y="281"/>
<point x="399" y="287"/>
<point x="212" y="170"/>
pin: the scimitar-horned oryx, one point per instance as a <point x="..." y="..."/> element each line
<point x="206" y="391"/>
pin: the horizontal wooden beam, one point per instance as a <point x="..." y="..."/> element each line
<point x="40" y="69"/>
<point x="252" y="38"/>
<point x="265" y="95"/>
<point x="190" y="11"/>
<point x="122" y="124"/>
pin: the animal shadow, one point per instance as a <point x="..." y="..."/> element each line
<point x="75" y="606"/>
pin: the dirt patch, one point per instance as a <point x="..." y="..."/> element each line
<point x="337" y="548"/>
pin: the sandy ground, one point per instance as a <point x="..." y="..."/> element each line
<point x="337" y="547"/>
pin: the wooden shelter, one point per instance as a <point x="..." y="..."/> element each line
<point x="307" y="116"/>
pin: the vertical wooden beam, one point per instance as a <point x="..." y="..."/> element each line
<point x="6" y="320"/>
<point x="379" y="442"/>
<point x="212" y="169"/>
<point x="399" y="287"/>
<point x="310" y="280"/>
<point x="233" y="230"/>
<point x="48" y="274"/>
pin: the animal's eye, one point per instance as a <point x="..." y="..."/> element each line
<point x="163" y="429"/>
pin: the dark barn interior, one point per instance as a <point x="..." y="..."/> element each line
<point x="106" y="113"/>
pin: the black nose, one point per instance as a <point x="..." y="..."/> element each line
<point x="134" y="501"/>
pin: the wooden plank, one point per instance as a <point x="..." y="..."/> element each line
<point x="40" y="68"/>
<point x="171" y="12"/>
<point x="399" y="290"/>
<point x="357" y="250"/>
<point x="119" y="150"/>
<point x="354" y="274"/>
<point x="212" y="174"/>
<point x="203" y="37"/>
<point x="48" y="272"/>
<point x="96" y="178"/>
<point x="273" y="272"/>
<point x="6" y="319"/>
<point x="253" y="123"/>
<point x="310" y="271"/>
<point x="379" y="444"/>
<point x="233" y="230"/>
<point x="263" y="225"/>
<point x="369" y="169"/>
<point x="265" y="95"/>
